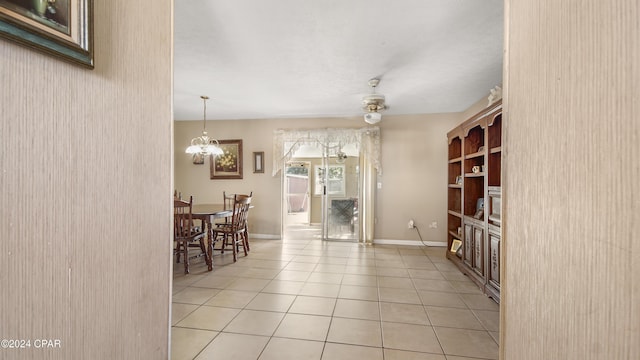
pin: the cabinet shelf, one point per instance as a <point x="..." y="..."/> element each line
<point x="474" y="155"/>
<point x="458" y="159"/>
<point x="455" y="213"/>
<point x="455" y="235"/>
<point x="496" y="150"/>
<point x="455" y="186"/>
<point x="474" y="175"/>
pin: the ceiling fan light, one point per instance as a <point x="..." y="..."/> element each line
<point x="372" y="117"/>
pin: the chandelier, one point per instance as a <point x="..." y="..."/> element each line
<point x="203" y="144"/>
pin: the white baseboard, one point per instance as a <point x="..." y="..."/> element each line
<point x="264" y="236"/>
<point x="409" y="242"/>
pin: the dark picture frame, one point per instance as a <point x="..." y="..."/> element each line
<point x="258" y="162"/>
<point x="229" y="164"/>
<point x="61" y="28"/>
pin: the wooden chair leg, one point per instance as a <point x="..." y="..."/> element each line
<point x="178" y="252"/>
<point x="245" y="243"/>
<point x="246" y="237"/>
<point x="233" y="245"/>
<point x="186" y="258"/>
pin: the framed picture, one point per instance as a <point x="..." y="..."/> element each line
<point x="459" y="180"/>
<point x="258" y="162"/>
<point x="455" y="245"/>
<point x="229" y="164"/>
<point x="62" y="28"/>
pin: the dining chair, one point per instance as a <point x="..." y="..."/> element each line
<point x="235" y="233"/>
<point x="185" y="234"/>
<point x="228" y="205"/>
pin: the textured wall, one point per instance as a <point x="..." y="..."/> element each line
<point x="572" y="142"/>
<point x="414" y="153"/>
<point x="85" y="179"/>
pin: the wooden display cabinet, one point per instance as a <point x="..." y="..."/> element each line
<point x="474" y="201"/>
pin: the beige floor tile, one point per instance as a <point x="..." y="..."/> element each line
<point x="271" y="302"/>
<point x="177" y="288"/>
<point x="407" y="296"/>
<point x="180" y="311"/>
<point x="464" y="342"/>
<point x="293" y="275"/>
<point x="454" y="275"/>
<point x="187" y="343"/>
<point x="217" y="282"/>
<point x="180" y="279"/>
<point x="313" y="305"/>
<point x="292" y="349"/>
<point x="284" y="287"/>
<point x="330" y="268"/>
<point x="480" y="302"/>
<point x="194" y="295"/>
<point x="260" y="273"/>
<point x="455" y="318"/>
<point x="446" y="266"/>
<point x="248" y="284"/>
<point x="357" y="309"/>
<point x="234" y="347"/>
<point x="318" y="289"/>
<point x="395" y="282"/>
<point x="325" y="277"/>
<point x="489" y="319"/>
<point x="426" y="274"/>
<point x="351" y="352"/>
<point x="433" y="285"/>
<point x="360" y="280"/>
<point x="267" y="264"/>
<point x="444" y="299"/>
<point x="496" y="336"/>
<point x="307" y="327"/>
<point x="355" y="332"/>
<point x="209" y="318"/>
<point x="333" y="260"/>
<point x="232" y="298"/>
<point x="395" y="272"/>
<point x="358" y="292"/>
<point x="391" y="354"/>
<point x="410" y="337"/>
<point x="360" y="270"/>
<point x="255" y="322"/>
<point x="467" y="286"/>
<point x="307" y="259"/>
<point x="298" y="266"/>
<point x="390" y="264"/>
<point x="404" y="313"/>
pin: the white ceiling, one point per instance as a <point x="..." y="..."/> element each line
<point x="293" y="58"/>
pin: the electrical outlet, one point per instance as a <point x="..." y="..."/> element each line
<point x="433" y="225"/>
<point x="411" y="224"/>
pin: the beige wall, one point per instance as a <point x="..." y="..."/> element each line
<point x="413" y="181"/>
<point x="86" y="182"/>
<point x="571" y="201"/>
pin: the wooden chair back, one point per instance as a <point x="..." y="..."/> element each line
<point x="183" y="226"/>
<point x="241" y="204"/>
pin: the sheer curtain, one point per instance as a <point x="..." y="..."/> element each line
<point x="367" y="140"/>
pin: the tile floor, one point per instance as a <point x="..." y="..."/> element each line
<point x="302" y="298"/>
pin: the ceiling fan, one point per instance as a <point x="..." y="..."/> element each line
<point x="373" y="104"/>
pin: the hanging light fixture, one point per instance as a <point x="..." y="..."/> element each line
<point x="203" y="144"/>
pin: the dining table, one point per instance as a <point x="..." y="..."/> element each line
<point x="207" y="213"/>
